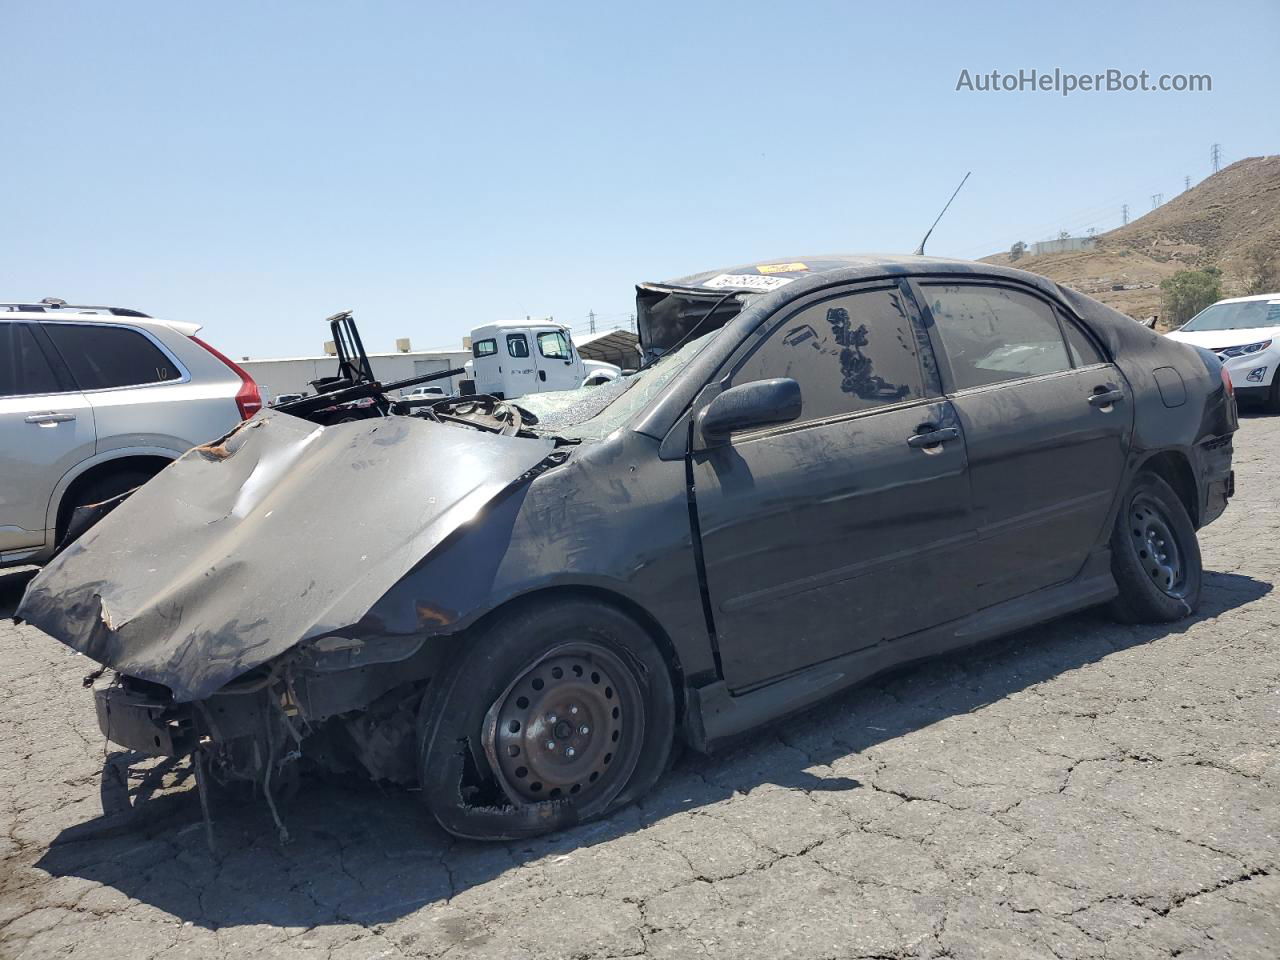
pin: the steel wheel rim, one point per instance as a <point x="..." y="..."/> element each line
<point x="534" y="733"/>
<point x="1157" y="547"/>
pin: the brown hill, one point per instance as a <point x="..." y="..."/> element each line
<point x="1215" y="223"/>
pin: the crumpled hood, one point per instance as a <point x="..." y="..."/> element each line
<point x="280" y="532"/>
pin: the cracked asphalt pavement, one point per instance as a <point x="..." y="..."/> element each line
<point x="1078" y="790"/>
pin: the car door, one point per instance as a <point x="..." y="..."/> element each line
<point x="46" y="428"/>
<point x="556" y="367"/>
<point x="840" y="530"/>
<point x="1047" y="421"/>
<point x="142" y="396"/>
<point x="520" y="369"/>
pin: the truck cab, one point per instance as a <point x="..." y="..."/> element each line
<point x="511" y="360"/>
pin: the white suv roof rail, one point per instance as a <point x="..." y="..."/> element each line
<point x="53" y="304"/>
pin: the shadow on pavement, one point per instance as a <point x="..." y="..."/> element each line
<point x="363" y="854"/>
<point x="12" y="583"/>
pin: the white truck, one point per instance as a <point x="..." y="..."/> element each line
<point x="511" y="360"/>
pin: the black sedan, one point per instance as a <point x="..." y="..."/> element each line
<point x="824" y="468"/>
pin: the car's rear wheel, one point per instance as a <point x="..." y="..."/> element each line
<point x="555" y="713"/>
<point x="1155" y="556"/>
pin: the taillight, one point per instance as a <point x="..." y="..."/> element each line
<point x="1227" y="384"/>
<point x="248" y="399"/>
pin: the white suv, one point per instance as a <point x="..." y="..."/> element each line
<point x="1245" y="334"/>
<point x="94" y="401"/>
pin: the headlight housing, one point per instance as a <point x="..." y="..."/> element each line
<point x="1245" y="350"/>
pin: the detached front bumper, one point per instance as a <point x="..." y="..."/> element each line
<point x="138" y="721"/>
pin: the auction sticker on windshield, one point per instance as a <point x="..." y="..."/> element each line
<point x="746" y="281"/>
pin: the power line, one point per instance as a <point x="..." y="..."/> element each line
<point x="1075" y="220"/>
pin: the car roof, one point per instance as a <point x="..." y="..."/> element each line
<point x="1259" y="296"/>
<point x="534" y="325"/>
<point x="767" y="275"/>
<point x="23" y="311"/>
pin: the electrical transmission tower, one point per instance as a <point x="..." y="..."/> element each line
<point x="591" y="321"/>
<point x="1215" y="155"/>
<point x="1186" y="183"/>
<point x="1124" y="214"/>
<point x="1156" y="200"/>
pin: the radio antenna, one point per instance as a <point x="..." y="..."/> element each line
<point x="920" y="249"/>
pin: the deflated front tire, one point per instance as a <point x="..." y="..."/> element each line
<point x="555" y="713"/>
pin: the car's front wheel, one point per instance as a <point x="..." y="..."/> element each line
<point x="1155" y="556"/>
<point x="555" y="713"/>
<point x="1272" y="402"/>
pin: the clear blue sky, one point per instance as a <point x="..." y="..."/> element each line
<point x="256" y="166"/>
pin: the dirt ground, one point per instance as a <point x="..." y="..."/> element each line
<point x="1078" y="790"/>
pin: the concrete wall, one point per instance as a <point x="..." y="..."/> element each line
<point x="294" y="375"/>
<point x="1041" y="247"/>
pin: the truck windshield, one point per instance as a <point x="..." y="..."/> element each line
<point x="595" y="412"/>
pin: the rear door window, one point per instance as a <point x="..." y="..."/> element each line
<point x="991" y="334"/>
<point x="848" y="354"/>
<point x="517" y="345"/>
<point x="24" y="369"/>
<point x="103" y="356"/>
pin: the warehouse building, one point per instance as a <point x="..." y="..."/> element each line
<point x="294" y="374"/>
<point x="621" y="347"/>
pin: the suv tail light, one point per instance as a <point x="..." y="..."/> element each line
<point x="1226" y="382"/>
<point x="248" y="399"/>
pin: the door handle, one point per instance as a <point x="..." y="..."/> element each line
<point x="542" y="375"/>
<point x="932" y="438"/>
<point x="1103" y="397"/>
<point x="43" y="419"/>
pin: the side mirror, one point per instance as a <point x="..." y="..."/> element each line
<point x="754" y="404"/>
<point x="1150" y="322"/>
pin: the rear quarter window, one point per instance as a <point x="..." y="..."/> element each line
<point x="101" y="357"/>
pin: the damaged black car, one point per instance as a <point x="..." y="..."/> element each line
<point x="822" y="469"/>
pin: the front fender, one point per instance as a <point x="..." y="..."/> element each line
<point x="614" y="521"/>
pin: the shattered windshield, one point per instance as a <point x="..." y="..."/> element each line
<point x="595" y="412"/>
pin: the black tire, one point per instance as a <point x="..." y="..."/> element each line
<point x="532" y="661"/>
<point x="1155" y="556"/>
<point x="96" y="491"/>
<point x="1272" y="403"/>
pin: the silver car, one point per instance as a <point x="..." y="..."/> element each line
<point x="93" y="402"/>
